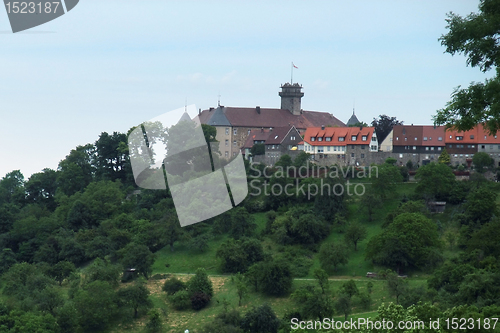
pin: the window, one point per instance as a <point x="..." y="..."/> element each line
<point x="425" y="138"/>
<point x="390" y="139"/>
<point x="491" y="147"/>
<point x="451" y="137"/>
<point x="426" y="148"/>
<point x="432" y="148"/>
<point x="320" y="149"/>
<point x="362" y="155"/>
<point x="352" y="154"/>
<point x="400" y="155"/>
<point x="397" y="138"/>
<point x="472" y="136"/>
<point x="353" y="138"/>
<point x="414" y="147"/>
<point x="468" y="146"/>
<point x="273" y="147"/>
<point x="248" y="133"/>
<point x="341" y="139"/>
<point x="234" y="154"/>
<point x="234" y="143"/>
<point x="227" y="130"/>
<point x="373" y="147"/>
<point x="485" y="137"/>
<point x="406" y="139"/>
<point x="320" y="139"/>
<point x="375" y="139"/>
<point x="459" y="138"/>
<point x="343" y="148"/>
<point x="473" y="146"/>
<point x="227" y="142"/>
<point x="450" y="146"/>
<point x="328" y="148"/>
<point x="328" y="139"/>
<point x="227" y="153"/>
<point x="235" y="131"/>
<point x="440" y="138"/>
<point x="292" y="138"/>
<point x="482" y="147"/>
<point x="363" y="147"/>
<point x="430" y="138"/>
<point x="313" y="138"/>
<point x="415" y="139"/>
<point x="439" y="148"/>
<point x="335" y="148"/>
<point x="364" y="138"/>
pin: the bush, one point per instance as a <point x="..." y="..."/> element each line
<point x="365" y="300"/>
<point x="180" y="300"/>
<point x="173" y="285"/>
<point x="200" y="283"/>
<point x="199" y="301"/>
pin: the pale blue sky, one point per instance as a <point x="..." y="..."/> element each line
<point x="109" y="65"/>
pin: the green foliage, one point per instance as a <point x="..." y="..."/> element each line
<point x="386" y="180"/>
<point x="154" y="324"/>
<point x="322" y="277"/>
<point x="343" y="304"/>
<point x="332" y="255"/>
<point x="137" y="256"/>
<point x="103" y="270"/>
<point x="260" y="320"/>
<point x="258" y="149"/>
<point x="390" y="161"/>
<point x="410" y="240"/>
<point x="135" y="296"/>
<point x="409" y="165"/>
<point x="173" y="285"/>
<point x="349" y="288"/>
<point x="181" y="300"/>
<point x="200" y="283"/>
<point x="274" y="277"/>
<point x="355" y="233"/>
<point x="313" y="303"/>
<point x="475" y="36"/>
<point x="241" y="282"/>
<point x="480" y="207"/>
<point x="444" y="157"/>
<point x="238" y="255"/>
<point x="396" y="285"/>
<point x="61" y="270"/>
<point x="242" y="223"/>
<point x="482" y="161"/>
<point x="96" y="305"/>
<point x="284" y="161"/>
<point x="435" y="181"/>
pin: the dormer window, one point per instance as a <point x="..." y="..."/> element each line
<point x="328" y="139"/>
<point x="320" y="139"/>
<point x="353" y="138"/>
<point x="440" y="138"/>
<point x="313" y="138"/>
<point x="472" y="137"/>
<point x="364" y="138"/>
<point x="425" y="138"/>
<point x="341" y="138"/>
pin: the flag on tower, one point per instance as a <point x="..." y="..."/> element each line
<point x="294" y="65"/>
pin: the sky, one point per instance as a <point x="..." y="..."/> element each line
<point x="109" y="65"/>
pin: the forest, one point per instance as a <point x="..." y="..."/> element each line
<point x="85" y="250"/>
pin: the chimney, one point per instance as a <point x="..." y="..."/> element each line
<point x="199" y="111"/>
<point x="270" y="129"/>
<point x="257" y="108"/>
<point x="323" y="127"/>
<point x="262" y="130"/>
<point x="211" y="108"/>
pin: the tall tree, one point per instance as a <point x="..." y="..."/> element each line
<point x="482" y="161"/>
<point x="136" y="296"/>
<point x="137" y="256"/>
<point x="477" y="37"/>
<point x="383" y="126"/>
<point x="332" y="255"/>
<point x="355" y="233"/>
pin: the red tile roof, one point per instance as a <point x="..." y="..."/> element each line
<point x="335" y="133"/>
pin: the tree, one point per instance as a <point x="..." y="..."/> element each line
<point x="331" y="255"/>
<point x="410" y="240"/>
<point x="480" y="206"/>
<point x="238" y="255"/>
<point x="313" y="303"/>
<point x="200" y="283"/>
<point x="355" y="233"/>
<point x="7" y="259"/>
<point x="258" y="149"/>
<point x="62" y="270"/>
<point x="482" y="161"/>
<point x="322" y="277"/>
<point x="139" y="257"/>
<point x="154" y="324"/>
<point x="397" y="286"/>
<point x="275" y="277"/>
<point x="383" y="126"/>
<point x="369" y="201"/>
<point x="284" y="162"/>
<point x="435" y="180"/>
<point x="301" y="159"/>
<point x="475" y="36"/>
<point x="96" y="305"/>
<point x="241" y="283"/>
<point x="349" y="288"/>
<point x="343" y="304"/>
<point x="41" y="188"/>
<point x="386" y="179"/>
<point x="261" y="320"/>
<point x="242" y="223"/>
<point x="444" y="157"/>
<point x="135" y="296"/>
<point x="103" y="270"/>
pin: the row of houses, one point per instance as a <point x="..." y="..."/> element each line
<point x="290" y="129"/>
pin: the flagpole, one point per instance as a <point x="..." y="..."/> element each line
<point x="291" y="77"/>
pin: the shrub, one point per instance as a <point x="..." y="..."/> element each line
<point x="173" y="285"/>
<point x="199" y="301"/>
<point x="180" y="300"/>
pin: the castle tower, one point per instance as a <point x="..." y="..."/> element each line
<point x="291" y="95"/>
